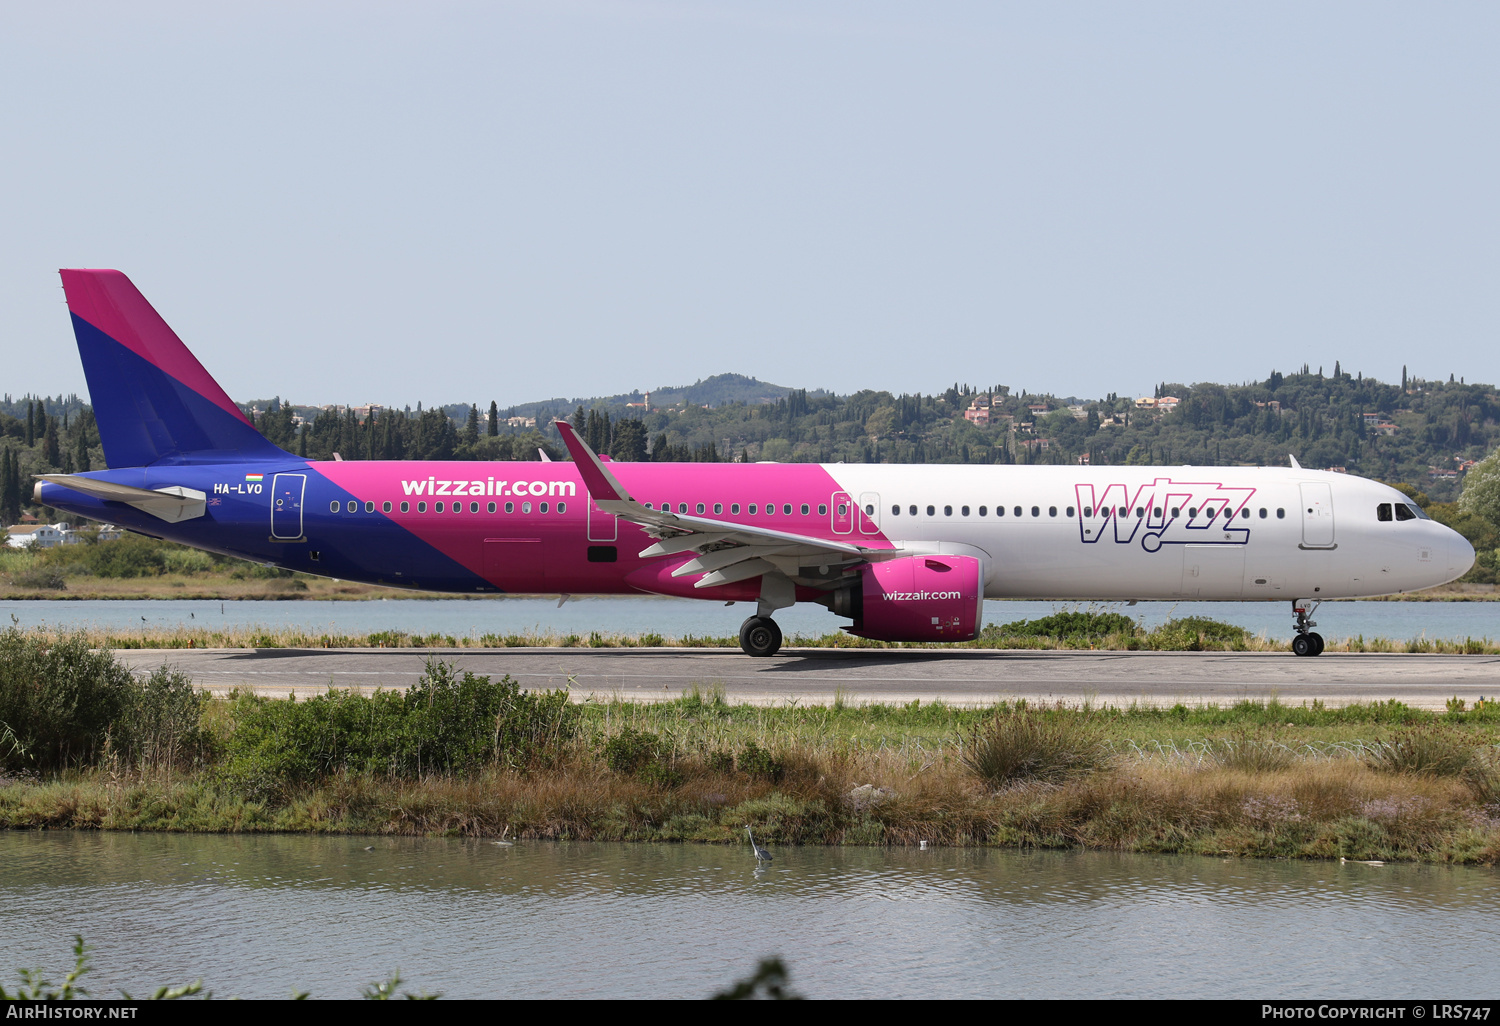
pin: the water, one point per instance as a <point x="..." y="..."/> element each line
<point x="258" y="916"/>
<point x="678" y="617"/>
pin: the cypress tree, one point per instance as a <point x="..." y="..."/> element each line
<point x="493" y="429"/>
<point x="51" y="451"/>
<point x="31" y="421"/>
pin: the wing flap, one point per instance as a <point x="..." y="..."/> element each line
<point x="173" y="504"/>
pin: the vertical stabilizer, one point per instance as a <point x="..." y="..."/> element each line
<point x="152" y="399"/>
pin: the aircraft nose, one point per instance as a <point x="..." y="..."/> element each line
<point x="1460" y="555"/>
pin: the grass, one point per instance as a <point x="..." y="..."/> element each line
<point x="1174" y="636"/>
<point x="1375" y="781"/>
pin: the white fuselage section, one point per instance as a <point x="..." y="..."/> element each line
<point x="1209" y="533"/>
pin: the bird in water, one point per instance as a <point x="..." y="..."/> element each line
<point x="503" y="842"/>
<point x="761" y="855"/>
<point x="1362" y="862"/>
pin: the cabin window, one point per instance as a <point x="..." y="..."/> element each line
<point x="541" y="507"/>
<point x="1036" y="511"/>
<point x="1263" y="512"/>
<point x="562" y="507"/>
<point x="1140" y="511"/>
<point x="437" y="507"/>
<point x="932" y="511"/>
<point x="648" y="505"/>
<point x="752" y="509"/>
<point x="491" y="507"/>
<point x="406" y="507"/>
<point x="984" y="511"/>
<point x="999" y="511"/>
<point x="421" y="507"/>
<point x="1192" y="512"/>
<point x="1280" y="514"/>
<point x="353" y="506"/>
<point x="525" y="507"/>
<point x="787" y="509"/>
<point x="869" y="509"/>
<point x="682" y="507"/>
<point x="1124" y="511"/>
<point x="1018" y="511"/>
<point x="912" y="510"/>
<point x="473" y="507"/>
<point x="1156" y="512"/>
<point x="734" y="509"/>
<point x="458" y="507"/>
<point x="895" y="510"/>
<point x="385" y="507"/>
<point x="369" y="507"/>
<point x="1245" y="513"/>
<point x="1070" y="511"/>
<point x="822" y="509"/>
<point x="947" y="511"/>
<point x="1088" y="511"/>
<point x="1403" y="512"/>
<point x="806" y="509"/>
<point x="701" y="508"/>
<point x="333" y="507"/>
<point x="1176" y="512"/>
<point x="964" y="510"/>
<point x="718" y="508"/>
<point x="510" y="507"/>
<point x="1052" y="511"/>
<point x="770" y="509"/>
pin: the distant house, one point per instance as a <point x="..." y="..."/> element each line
<point x="1167" y="403"/>
<point x="978" y="415"/>
<point x="41" y="536"/>
<point x="521" y="422"/>
<point x="1146" y="402"/>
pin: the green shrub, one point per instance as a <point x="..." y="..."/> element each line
<point x="162" y="722"/>
<point x="1022" y="745"/>
<point x="445" y="723"/>
<point x="42" y="577"/>
<point x="631" y="750"/>
<point x="1065" y="625"/>
<point x="758" y="762"/>
<point x="57" y="701"/>
<point x="1192" y="633"/>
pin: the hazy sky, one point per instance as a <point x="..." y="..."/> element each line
<point x="350" y="202"/>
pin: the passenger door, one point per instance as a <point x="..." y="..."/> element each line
<point x="1317" y="516"/>
<point x="286" y="506"/>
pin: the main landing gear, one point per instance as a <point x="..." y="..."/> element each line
<point x="759" y="636"/>
<point x="1307" y="642"/>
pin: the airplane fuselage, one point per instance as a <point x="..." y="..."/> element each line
<point x="1064" y="533"/>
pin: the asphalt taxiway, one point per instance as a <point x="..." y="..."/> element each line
<point x="819" y="676"/>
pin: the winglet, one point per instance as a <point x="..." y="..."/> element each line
<point x="602" y="485"/>
<point x="1295" y="464"/>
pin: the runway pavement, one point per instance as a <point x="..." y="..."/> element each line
<point x="817" y="676"/>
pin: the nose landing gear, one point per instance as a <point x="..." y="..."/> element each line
<point x="760" y="636"/>
<point x="1307" y="642"/>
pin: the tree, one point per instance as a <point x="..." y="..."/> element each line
<point x="629" y="443"/>
<point x="493" y="429"/>
<point x="51" y="452"/>
<point x="1481" y="494"/>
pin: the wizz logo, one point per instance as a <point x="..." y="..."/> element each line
<point x="1164" y="512"/>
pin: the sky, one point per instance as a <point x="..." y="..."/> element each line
<point x="445" y="202"/>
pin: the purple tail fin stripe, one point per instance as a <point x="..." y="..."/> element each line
<point x="111" y="303"/>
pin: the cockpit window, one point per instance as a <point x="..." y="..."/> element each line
<point x="1403" y="512"/>
<point x="1383" y="512"/>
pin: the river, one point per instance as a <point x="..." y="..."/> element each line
<point x="260" y="916"/>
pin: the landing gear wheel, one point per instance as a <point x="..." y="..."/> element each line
<point x="1303" y="645"/>
<point x="1317" y="640"/>
<point x="759" y="636"/>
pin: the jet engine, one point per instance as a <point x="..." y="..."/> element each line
<point x="915" y="598"/>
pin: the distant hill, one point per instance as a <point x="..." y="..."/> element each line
<point x="715" y="391"/>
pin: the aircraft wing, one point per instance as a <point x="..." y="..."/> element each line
<point x="724" y="552"/>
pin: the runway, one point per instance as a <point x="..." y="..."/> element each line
<point x="818" y="676"/>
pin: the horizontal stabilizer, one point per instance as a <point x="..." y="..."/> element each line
<point x="172" y="504"/>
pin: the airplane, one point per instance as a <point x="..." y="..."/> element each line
<point x="906" y="553"/>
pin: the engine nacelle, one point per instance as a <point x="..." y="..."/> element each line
<point x="916" y="598"/>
